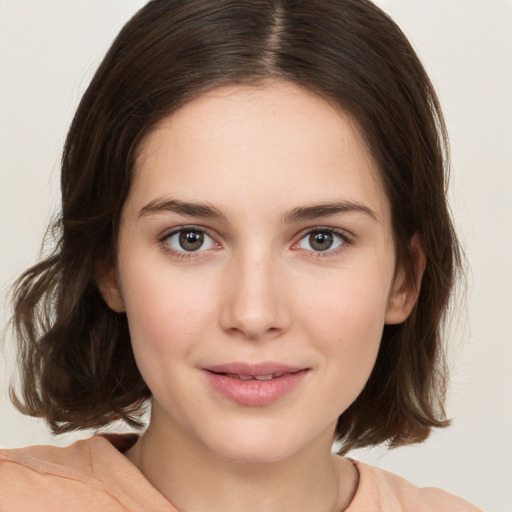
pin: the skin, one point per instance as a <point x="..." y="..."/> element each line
<point x="257" y="290"/>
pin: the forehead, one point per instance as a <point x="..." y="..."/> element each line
<point x="238" y="143"/>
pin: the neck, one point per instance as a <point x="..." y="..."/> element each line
<point x="193" y="479"/>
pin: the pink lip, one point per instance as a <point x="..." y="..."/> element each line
<point x="265" y="368"/>
<point x="254" y="393"/>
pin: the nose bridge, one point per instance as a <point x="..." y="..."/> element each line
<point x="255" y="305"/>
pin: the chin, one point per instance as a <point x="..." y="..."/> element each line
<point x="265" y="443"/>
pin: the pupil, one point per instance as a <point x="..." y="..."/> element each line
<point x="321" y="241"/>
<point x="191" y="240"/>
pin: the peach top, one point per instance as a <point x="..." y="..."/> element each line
<point x="94" y="476"/>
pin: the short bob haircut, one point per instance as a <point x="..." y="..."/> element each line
<point x="77" y="366"/>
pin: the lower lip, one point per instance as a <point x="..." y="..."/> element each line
<point x="255" y="393"/>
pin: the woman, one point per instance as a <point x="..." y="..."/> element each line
<point x="254" y="237"/>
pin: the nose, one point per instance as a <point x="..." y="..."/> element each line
<point x="254" y="304"/>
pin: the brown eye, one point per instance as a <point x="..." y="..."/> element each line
<point x="321" y="240"/>
<point x="189" y="240"/>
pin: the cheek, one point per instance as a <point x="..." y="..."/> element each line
<point x="167" y="318"/>
<point x="354" y="334"/>
<point x="345" y="318"/>
<point x="351" y="302"/>
<point x="167" y="311"/>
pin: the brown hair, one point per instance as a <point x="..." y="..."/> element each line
<point x="78" y="369"/>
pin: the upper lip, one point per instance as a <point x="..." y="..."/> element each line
<point x="253" y="369"/>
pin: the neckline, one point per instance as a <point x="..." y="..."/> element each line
<point x="123" y="442"/>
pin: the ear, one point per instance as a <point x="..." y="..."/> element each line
<point x="108" y="285"/>
<point x="406" y="284"/>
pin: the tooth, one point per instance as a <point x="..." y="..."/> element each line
<point x="279" y="374"/>
<point x="245" y="377"/>
<point x="264" y="377"/>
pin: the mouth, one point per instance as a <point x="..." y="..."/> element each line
<point x="254" y="385"/>
<point x="254" y="371"/>
<point x="268" y="376"/>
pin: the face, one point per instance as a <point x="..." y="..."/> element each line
<point x="257" y="270"/>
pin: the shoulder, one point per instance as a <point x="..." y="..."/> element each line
<point x="72" y="462"/>
<point x="44" y="477"/>
<point x="382" y="491"/>
<point x="88" y="475"/>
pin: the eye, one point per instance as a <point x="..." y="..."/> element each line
<point x="189" y="240"/>
<point x="321" y="240"/>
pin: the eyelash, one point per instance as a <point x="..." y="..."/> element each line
<point x="184" y="255"/>
<point x="343" y="237"/>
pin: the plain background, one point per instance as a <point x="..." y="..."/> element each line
<point x="48" y="52"/>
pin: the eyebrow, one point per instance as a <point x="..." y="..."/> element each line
<point x="202" y="210"/>
<point x="301" y="213"/>
<point x="327" y="209"/>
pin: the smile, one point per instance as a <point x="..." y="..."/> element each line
<point x="269" y="376"/>
<point x="254" y="385"/>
